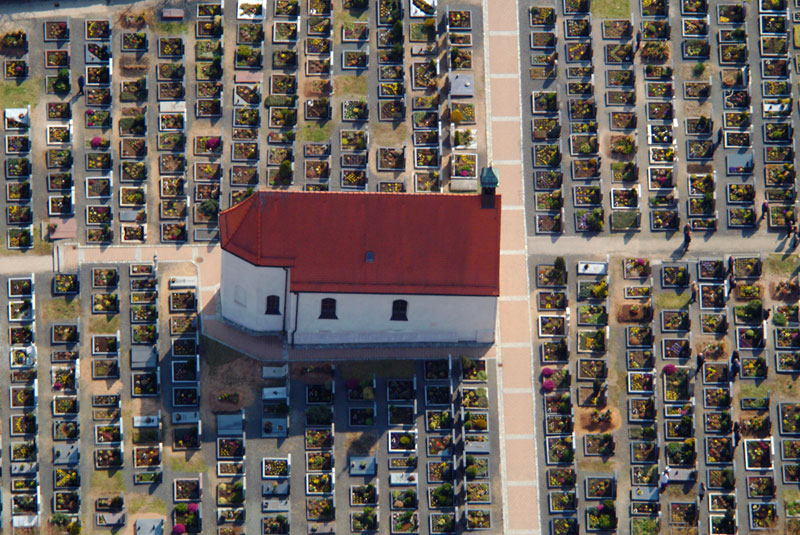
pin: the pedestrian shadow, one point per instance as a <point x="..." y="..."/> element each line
<point x="679" y="252"/>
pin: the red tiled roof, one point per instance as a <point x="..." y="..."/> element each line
<point x="422" y="243"/>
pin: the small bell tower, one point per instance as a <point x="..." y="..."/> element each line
<point x="489" y="182"/>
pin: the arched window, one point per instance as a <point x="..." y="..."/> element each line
<point x="328" y="310"/>
<point x="400" y="310"/>
<point x="273" y="305"/>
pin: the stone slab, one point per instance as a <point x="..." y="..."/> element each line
<point x="513" y="279"/>
<point x="515" y="322"/>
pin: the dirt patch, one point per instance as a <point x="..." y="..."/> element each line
<point x="782" y="264"/>
<point x="363" y="443"/>
<point x="199" y="129"/>
<point x="635" y="313"/>
<point x="105" y="324"/>
<point x="585" y="425"/>
<point x="697" y="108"/>
<point x="312" y="374"/>
<point x="688" y="72"/>
<point x="602" y="466"/>
<point x="107" y="482"/>
<point x="60" y="308"/>
<point x="316" y="88"/>
<point x="141" y="406"/>
<point x="239" y="376"/>
<point x="185" y="461"/>
<point x="670" y="300"/>
<point x="134" y="65"/>
<point x="680" y="492"/>
<point x="394" y="133"/>
<point x="147" y="504"/>
<point x="784" y="290"/>
<point x="100" y="386"/>
<point x="699" y="168"/>
<point x="388" y="369"/>
<point x="713" y="349"/>
<point x="131" y="19"/>
<point x="616" y="301"/>
<point x="351" y="86"/>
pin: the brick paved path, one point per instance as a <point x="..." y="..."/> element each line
<point x="513" y="347"/>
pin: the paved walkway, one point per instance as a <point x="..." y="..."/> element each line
<point x="514" y="348"/>
<point x="12" y="265"/>
<point x="701" y="245"/>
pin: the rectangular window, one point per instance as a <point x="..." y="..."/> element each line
<point x="273" y="305"/>
<point x="400" y="310"/>
<point x="328" y="309"/>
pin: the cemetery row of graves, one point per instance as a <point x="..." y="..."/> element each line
<point x="707" y="139"/>
<point x="682" y="367"/>
<point x="322" y="97"/>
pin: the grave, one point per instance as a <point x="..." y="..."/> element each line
<point x="363" y="466"/>
<point x="143" y="357"/>
<point x="171" y="13"/>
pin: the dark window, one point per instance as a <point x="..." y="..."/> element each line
<point x="400" y="310"/>
<point x="273" y="305"/>
<point x="328" y="310"/>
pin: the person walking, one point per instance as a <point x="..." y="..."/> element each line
<point x="792" y="233"/>
<point x="701" y="492"/>
<point x="664" y="481"/>
<point x="731" y="284"/>
<point x="737" y="435"/>
<point x="701" y="358"/>
<point x="719" y="135"/>
<point x="81" y="82"/>
<point x="764" y="209"/>
<point x="693" y="298"/>
<point x="735" y="366"/>
<point x="687" y="236"/>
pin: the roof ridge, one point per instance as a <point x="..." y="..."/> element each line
<point x="224" y="215"/>
<point x="259" y="210"/>
<point x="267" y="192"/>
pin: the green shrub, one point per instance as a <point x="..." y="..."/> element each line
<point x="560" y="264"/>
<point x="699" y="69"/>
